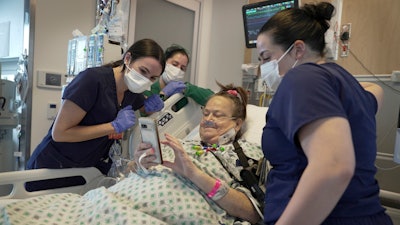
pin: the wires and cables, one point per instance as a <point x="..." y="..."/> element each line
<point x="141" y="169"/>
<point x="265" y="99"/>
<point x="374" y="75"/>
<point x="394" y="125"/>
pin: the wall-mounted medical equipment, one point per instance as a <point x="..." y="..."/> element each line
<point x="9" y="121"/>
<point x="90" y="51"/>
<point x="258" y="91"/>
<point x="50" y="79"/>
<point x="106" y="42"/>
<point x="112" y="17"/>
<point x="85" y="52"/>
<point x="249" y="77"/>
<point x="256" y="14"/>
<point x="8" y="106"/>
<point x="13" y="95"/>
<point x="22" y="80"/>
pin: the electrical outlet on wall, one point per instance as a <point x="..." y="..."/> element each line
<point x="332" y="34"/>
<point x="345" y="39"/>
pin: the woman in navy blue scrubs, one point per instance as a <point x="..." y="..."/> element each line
<point x="98" y="105"/>
<point x="320" y="133"/>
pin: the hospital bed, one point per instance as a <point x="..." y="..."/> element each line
<point x="181" y="123"/>
<point x="18" y="205"/>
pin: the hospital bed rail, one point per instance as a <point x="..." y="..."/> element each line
<point x="17" y="179"/>
<point x="175" y="122"/>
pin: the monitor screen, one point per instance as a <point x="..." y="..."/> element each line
<point x="256" y="14"/>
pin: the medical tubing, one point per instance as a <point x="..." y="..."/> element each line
<point x="141" y="167"/>
<point x="257" y="206"/>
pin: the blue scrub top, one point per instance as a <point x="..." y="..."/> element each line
<point x="94" y="90"/>
<point x="309" y="92"/>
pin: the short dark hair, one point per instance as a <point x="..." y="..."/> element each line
<point x="174" y="49"/>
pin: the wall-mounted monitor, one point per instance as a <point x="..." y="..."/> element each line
<point x="256" y="14"/>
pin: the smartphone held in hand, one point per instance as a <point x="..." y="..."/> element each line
<point x="149" y="133"/>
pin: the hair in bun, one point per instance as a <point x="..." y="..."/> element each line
<point x="308" y="23"/>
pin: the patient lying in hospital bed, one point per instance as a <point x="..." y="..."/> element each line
<point x="163" y="199"/>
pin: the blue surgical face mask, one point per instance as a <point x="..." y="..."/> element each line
<point x="270" y="71"/>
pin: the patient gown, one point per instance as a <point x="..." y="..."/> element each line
<point x="162" y="197"/>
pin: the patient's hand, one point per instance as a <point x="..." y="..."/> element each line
<point x="182" y="164"/>
<point x="146" y="160"/>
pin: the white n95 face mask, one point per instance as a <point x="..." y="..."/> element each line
<point x="172" y="73"/>
<point x="270" y="72"/>
<point x="136" y="82"/>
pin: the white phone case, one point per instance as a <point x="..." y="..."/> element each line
<point x="149" y="133"/>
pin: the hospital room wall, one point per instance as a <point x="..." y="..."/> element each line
<point x="54" y="23"/>
<point x="221" y="51"/>
<point x="224" y="41"/>
<point x="373" y="38"/>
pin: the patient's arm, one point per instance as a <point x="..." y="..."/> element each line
<point x="376" y="90"/>
<point x="234" y="202"/>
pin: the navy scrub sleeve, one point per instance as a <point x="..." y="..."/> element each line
<point x="94" y="90"/>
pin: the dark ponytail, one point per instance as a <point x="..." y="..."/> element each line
<point x="142" y="48"/>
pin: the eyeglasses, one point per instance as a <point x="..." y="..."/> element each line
<point x="216" y="115"/>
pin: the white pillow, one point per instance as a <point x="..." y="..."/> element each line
<point x="194" y="134"/>
<point x="254" y="124"/>
<point x="252" y="128"/>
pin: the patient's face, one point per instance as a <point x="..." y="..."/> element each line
<point x="217" y="119"/>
